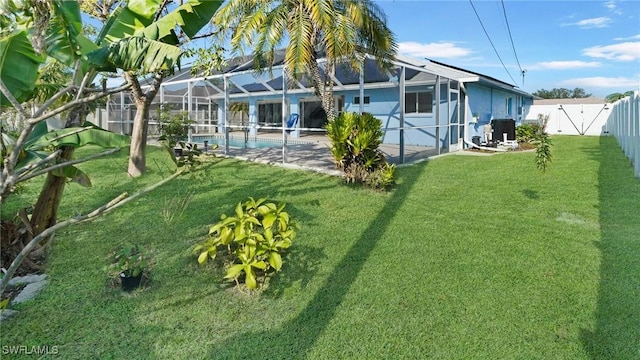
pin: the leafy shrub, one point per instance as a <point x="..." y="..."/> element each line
<point x="254" y="238"/>
<point x="543" y="151"/>
<point x="174" y="127"/>
<point x="382" y="177"/>
<point x="526" y="133"/>
<point x="542" y="143"/>
<point x="355" y="139"/>
<point x="130" y="260"/>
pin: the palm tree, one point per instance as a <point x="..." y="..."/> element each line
<point x="341" y="31"/>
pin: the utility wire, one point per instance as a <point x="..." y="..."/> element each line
<point x="491" y="42"/>
<point x="504" y="11"/>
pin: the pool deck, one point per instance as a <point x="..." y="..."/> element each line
<point x="313" y="154"/>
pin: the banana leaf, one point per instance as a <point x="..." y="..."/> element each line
<point x="18" y="66"/>
<point x="91" y="135"/>
<point x="129" y="20"/>
<point x="136" y="53"/>
<point x="190" y="17"/>
<point x="65" y="40"/>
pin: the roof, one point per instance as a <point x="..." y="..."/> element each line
<point x="345" y="76"/>
<point x="570" y="101"/>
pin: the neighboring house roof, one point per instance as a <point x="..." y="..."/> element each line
<point x="576" y="101"/>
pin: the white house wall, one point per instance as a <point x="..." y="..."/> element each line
<point x="573" y="119"/>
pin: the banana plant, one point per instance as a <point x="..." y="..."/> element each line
<point x="35" y="157"/>
<point x="36" y="30"/>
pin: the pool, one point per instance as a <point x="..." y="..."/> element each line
<point x="240" y="143"/>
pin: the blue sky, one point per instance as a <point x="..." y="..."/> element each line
<point x="594" y="45"/>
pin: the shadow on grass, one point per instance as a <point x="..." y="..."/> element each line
<point x="298" y="336"/>
<point x="617" y="329"/>
<point x="531" y="194"/>
<point x="303" y="263"/>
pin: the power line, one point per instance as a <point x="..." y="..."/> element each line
<point x="504" y="11"/>
<point x="491" y="42"/>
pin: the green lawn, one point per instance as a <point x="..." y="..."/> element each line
<point x="468" y="257"/>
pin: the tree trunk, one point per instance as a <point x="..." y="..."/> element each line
<point x="45" y="211"/>
<point x="323" y="89"/>
<point x="137" y="151"/>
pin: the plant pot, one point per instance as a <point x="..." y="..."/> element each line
<point x="130" y="282"/>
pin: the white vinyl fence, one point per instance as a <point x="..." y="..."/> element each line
<point x="572" y="119"/>
<point x="624" y="123"/>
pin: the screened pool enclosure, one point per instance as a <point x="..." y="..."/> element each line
<point x="247" y="112"/>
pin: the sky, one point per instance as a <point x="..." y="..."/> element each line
<point x="593" y="45"/>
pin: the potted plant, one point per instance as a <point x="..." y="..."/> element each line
<point x="130" y="262"/>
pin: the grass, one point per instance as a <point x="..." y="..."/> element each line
<point x="468" y="257"/>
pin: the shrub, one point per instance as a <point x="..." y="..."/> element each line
<point x="254" y="238"/>
<point x="543" y="151"/>
<point x="174" y="127"/>
<point x="355" y="139"/>
<point x="542" y="143"/>
<point x="526" y="133"/>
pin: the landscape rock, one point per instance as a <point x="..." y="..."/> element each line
<point x="7" y="313"/>
<point x="29" y="292"/>
<point x="27" y="279"/>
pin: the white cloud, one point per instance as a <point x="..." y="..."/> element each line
<point x="602" y="82"/>
<point x="626" y="51"/>
<point x="633" y="37"/>
<point x="599" y="22"/>
<point x="564" y="65"/>
<point x="611" y="5"/>
<point x="446" y="50"/>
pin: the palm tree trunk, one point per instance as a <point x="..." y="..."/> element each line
<point x="324" y="90"/>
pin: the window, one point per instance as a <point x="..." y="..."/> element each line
<point x="418" y="102"/>
<point x="509" y="106"/>
<point x="339" y="104"/>
<point x="270" y="113"/>
<point x="356" y="100"/>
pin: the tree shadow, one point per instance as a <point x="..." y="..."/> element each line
<point x="531" y="194"/>
<point x="300" y="266"/>
<point x="617" y="329"/>
<point x="298" y="336"/>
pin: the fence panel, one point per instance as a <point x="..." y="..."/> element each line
<point x="624" y="124"/>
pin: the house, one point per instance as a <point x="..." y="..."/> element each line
<point x="423" y="104"/>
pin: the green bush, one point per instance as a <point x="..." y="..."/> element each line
<point x="543" y="151"/>
<point x="540" y="139"/>
<point x="174" y="127"/>
<point x="526" y="133"/>
<point x="355" y="139"/>
<point x="254" y="238"/>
